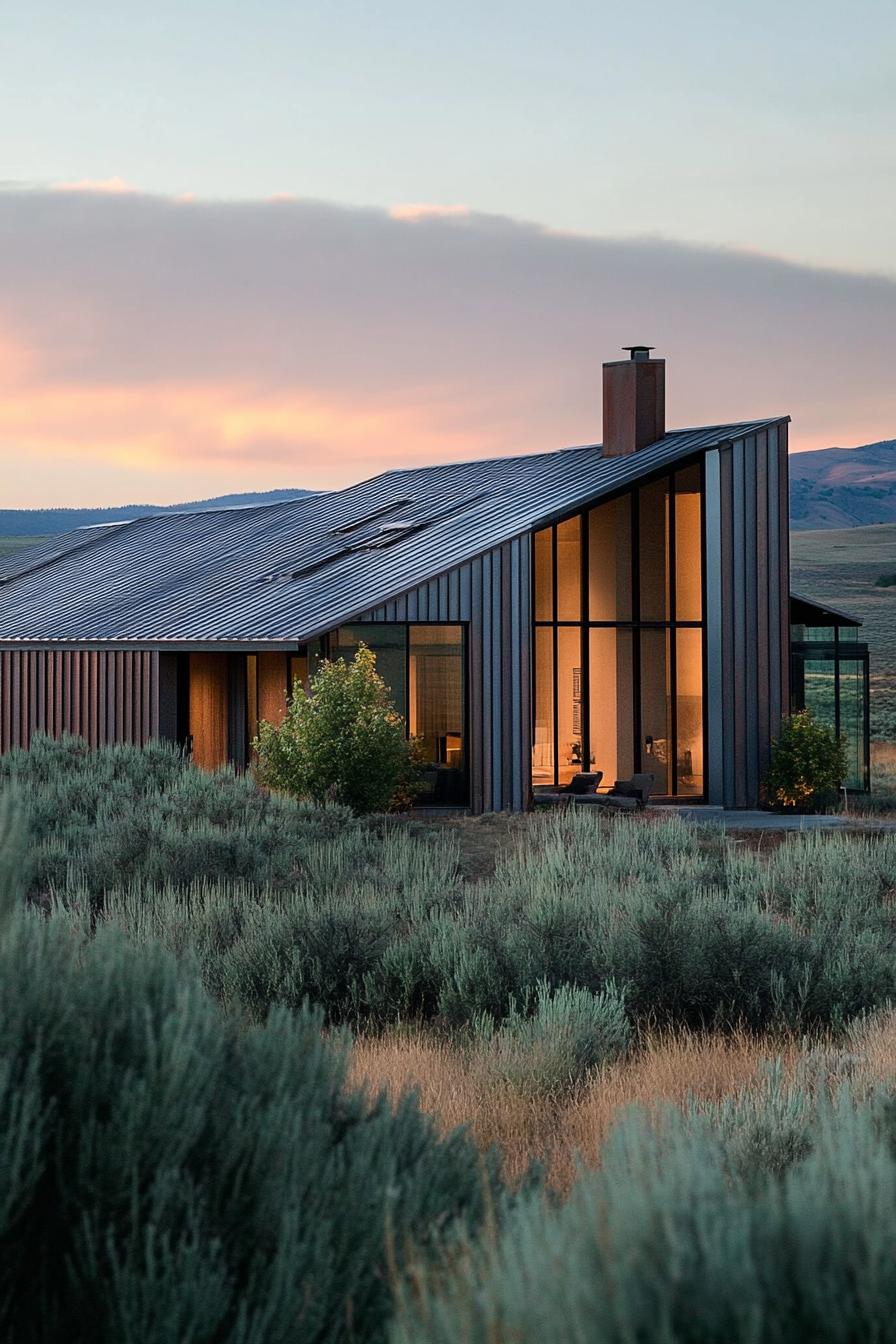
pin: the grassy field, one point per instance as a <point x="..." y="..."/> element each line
<point x="239" y="1034"/>
<point x="10" y="544"/>
<point x="842" y="567"/>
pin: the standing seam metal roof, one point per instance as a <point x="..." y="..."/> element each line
<point x="285" y="572"/>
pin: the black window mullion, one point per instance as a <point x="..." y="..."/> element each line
<point x="673" y="641"/>
<point x="704" y="705"/>
<point x="407" y="680"/>
<point x="636" y="635"/>
<point x="554" y="647"/>
<point x="837" y="681"/>
<point x="585" y="644"/>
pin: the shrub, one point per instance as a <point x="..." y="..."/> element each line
<point x="669" y="1242"/>
<point x="570" y="1032"/>
<point x="279" y="901"/>
<point x="808" y="763"/>
<point x="343" y="742"/>
<point x="167" y="1175"/>
<point x="120" y="815"/>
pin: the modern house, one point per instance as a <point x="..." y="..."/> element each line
<point x="624" y="605"/>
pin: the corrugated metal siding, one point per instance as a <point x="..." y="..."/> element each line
<point x="491" y="596"/>
<point x="101" y="696"/>
<point x="748" y="633"/>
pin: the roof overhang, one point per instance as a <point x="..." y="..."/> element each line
<point x="805" y="611"/>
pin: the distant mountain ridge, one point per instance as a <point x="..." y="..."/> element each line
<point x="47" y="522"/>
<point x="830" y="488"/>
<point x="843" y="487"/>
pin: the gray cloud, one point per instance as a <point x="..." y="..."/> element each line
<point x="485" y="325"/>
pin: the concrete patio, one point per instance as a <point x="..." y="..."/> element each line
<point x="755" y="820"/>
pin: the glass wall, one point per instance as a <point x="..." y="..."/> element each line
<point x="569" y="702"/>
<point x="689" y="710"/>
<point x="656" y="709"/>
<point x="611" y="702"/>
<point x="618" y="647"/>
<point x="853" y="721"/>
<point x="829" y="675"/>
<point x="436" y="709"/>
<point x="543" y="765"/>
<point x="424" y="668"/>
<point x="389" y="644"/>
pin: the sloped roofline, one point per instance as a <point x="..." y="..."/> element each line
<point x="277" y="574"/>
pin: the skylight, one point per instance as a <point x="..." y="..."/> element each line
<point x="371" y="517"/>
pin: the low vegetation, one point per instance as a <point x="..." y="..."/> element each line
<point x="342" y="742"/>
<point x="372" y="920"/>
<point x="672" y="1052"/>
<point x="169" y="1175"/>
<point x="768" y="1219"/>
<point x="808" y="765"/>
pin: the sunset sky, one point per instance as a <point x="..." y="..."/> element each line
<point x="246" y="246"/>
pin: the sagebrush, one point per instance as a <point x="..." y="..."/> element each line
<point x="168" y="1174"/>
<point x="374" y="922"/>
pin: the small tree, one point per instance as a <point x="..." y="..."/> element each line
<point x="808" y="764"/>
<point x="343" y="742"/>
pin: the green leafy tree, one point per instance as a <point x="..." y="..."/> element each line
<point x="343" y="742"/>
<point x="808" y="763"/>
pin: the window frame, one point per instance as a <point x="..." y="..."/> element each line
<point x="330" y="651"/>
<point x="584" y="624"/>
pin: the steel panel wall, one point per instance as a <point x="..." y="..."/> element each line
<point x="101" y="696"/>
<point x="748" y="624"/>
<point x="489" y="594"/>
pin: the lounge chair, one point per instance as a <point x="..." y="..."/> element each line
<point x="583" y="785"/>
<point x="625" y="795"/>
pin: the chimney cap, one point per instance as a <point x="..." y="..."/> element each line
<point x="639" y="351"/>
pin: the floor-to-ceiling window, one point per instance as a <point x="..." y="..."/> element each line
<point x="829" y="675"/>
<point x="424" y="667"/>
<point x="618" y="639"/>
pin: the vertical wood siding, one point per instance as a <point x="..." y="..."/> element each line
<point x="748" y="612"/>
<point x="209" y="703"/>
<point x="491" y="596"/>
<point x="273" y="669"/>
<point x="107" y="696"/>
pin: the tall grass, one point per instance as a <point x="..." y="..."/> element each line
<point x="770" y="1221"/>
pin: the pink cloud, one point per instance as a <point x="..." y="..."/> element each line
<point x="107" y="186"/>
<point x="161" y="349"/>
<point x="415" y="211"/>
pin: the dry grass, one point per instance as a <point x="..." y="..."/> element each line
<point x="874" y="1044"/>
<point x="455" y="1087"/>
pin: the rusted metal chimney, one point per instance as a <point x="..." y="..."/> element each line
<point x="634" y="402"/>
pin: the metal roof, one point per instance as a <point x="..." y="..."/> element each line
<point x="282" y="573"/>
<point x="807" y="611"/>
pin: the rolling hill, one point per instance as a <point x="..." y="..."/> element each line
<point x="843" y="567"/>
<point x="843" y="487"/>
<point x="30" y="524"/>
